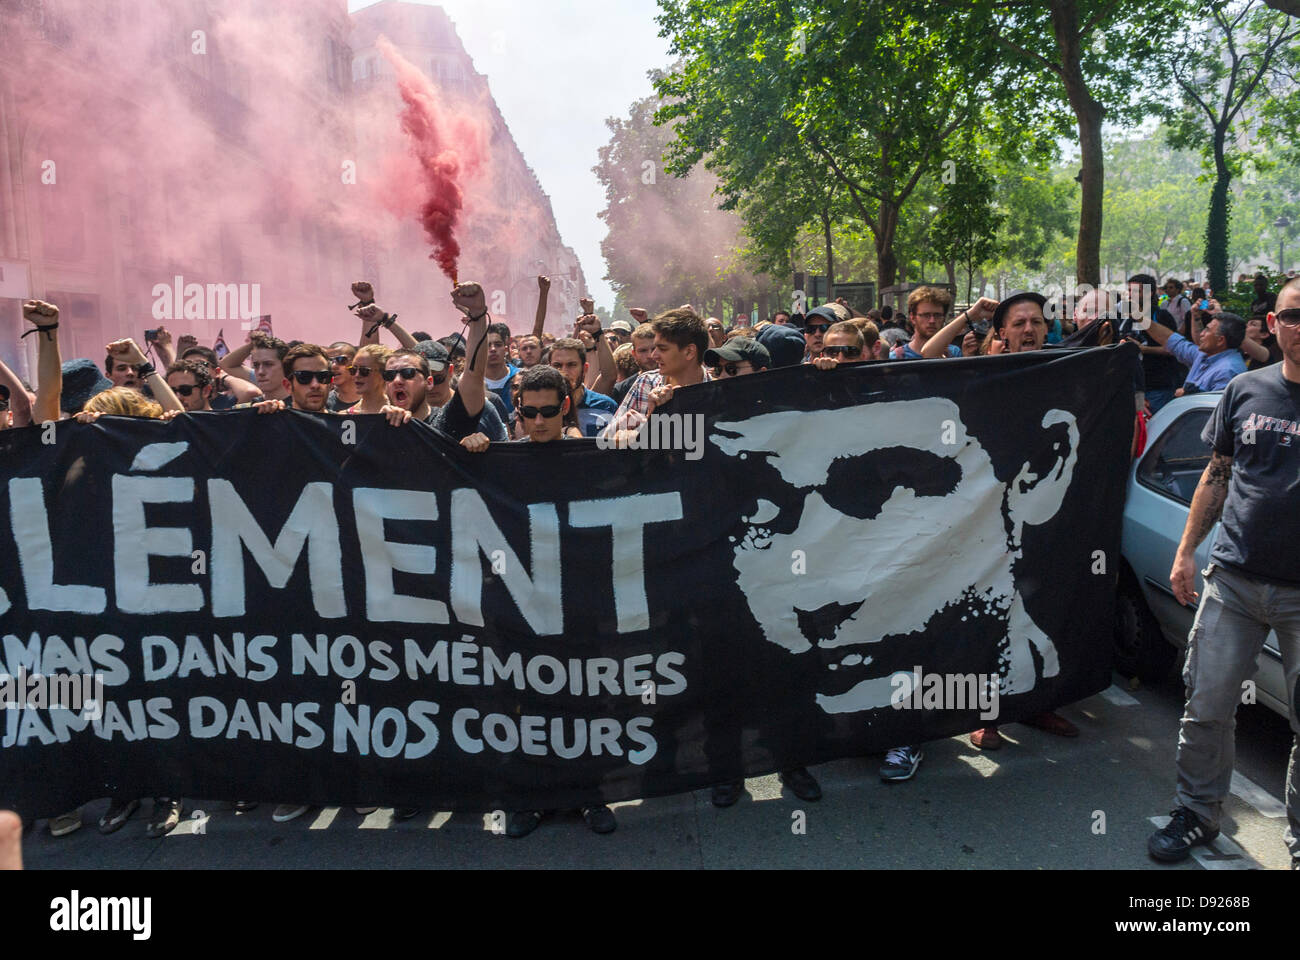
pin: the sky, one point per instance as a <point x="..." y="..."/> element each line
<point x="558" y="69"/>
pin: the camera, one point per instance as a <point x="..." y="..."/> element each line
<point x="979" y="327"/>
<point x="151" y="336"/>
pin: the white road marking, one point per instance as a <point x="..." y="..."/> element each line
<point x="1119" y="697"/>
<point x="439" y="819"/>
<point x="324" y="818"/>
<point x="1256" y="796"/>
<point x="1221" y="853"/>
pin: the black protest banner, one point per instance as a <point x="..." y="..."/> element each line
<point x="804" y="565"/>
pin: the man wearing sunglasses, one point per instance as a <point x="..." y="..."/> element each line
<point x="344" y="389"/>
<point x="816" y="323"/>
<point x="737" y="357"/>
<point x="1251" y="585"/>
<point x="843" y="343"/>
<point x="409" y="375"/>
<point x="192" y="383"/>
<point x="227" y="392"/>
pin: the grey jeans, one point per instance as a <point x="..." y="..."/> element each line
<point x="1223" y="649"/>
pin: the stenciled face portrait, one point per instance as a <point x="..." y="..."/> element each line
<point x="946" y="532"/>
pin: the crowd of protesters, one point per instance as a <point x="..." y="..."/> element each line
<point x="489" y="384"/>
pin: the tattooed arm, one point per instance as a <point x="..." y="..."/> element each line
<point x="1207" y="505"/>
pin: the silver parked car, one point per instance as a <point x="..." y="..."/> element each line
<point x="1151" y="627"/>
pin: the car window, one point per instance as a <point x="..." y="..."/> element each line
<point x="1176" y="460"/>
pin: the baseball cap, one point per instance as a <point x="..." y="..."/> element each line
<point x="621" y="325"/>
<point x="823" y="312"/>
<point x="434" y="352"/>
<point x="82" y="379"/>
<point x="784" y="344"/>
<point x="739" y="350"/>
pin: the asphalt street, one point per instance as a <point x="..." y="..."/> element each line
<point x="1041" y="802"/>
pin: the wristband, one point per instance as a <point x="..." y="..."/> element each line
<point x="46" y="330"/>
<point x="145" y="370"/>
<point x="361" y="303"/>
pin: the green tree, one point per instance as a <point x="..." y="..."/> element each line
<point x="667" y="241"/>
<point x="1240" y="44"/>
<point x="1093" y="57"/>
<point x="965" y="229"/>
<point x="868" y="88"/>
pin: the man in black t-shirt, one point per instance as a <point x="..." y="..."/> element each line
<point x="1252" y="583"/>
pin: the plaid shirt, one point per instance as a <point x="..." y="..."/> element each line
<point x="635" y="408"/>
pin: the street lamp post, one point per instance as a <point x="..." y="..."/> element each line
<point x="1282" y="222"/>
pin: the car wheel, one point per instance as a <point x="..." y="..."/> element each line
<point x="1141" y="649"/>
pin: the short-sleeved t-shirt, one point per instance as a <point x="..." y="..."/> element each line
<point x="594" y="412"/>
<point x="1257" y="423"/>
<point x="501" y="387"/>
<point x="910" y="354"/>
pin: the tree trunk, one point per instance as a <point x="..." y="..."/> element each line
<point x="951" y="267"/>
<point x="886" y="228"/>
<point x="830" y="256"/>
<point x="1216" y="226"/>
<point x="1089" y="113"/>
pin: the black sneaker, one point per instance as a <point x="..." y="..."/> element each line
<point x="726" y="794"/>
<point x="118" y="813"/>
<point x="900" y="764"/>
<point x="802" y="784"/>
<point x="1184" y="831"/>
<point x="600" y="819"/>
<point x="520" y="823"/>
<point x="405" y="813"/>
<point x="166" y="816"/>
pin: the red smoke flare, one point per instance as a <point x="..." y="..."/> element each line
<point x="448" y="153"/>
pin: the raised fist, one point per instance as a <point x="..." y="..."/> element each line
<point x="544" y="284"/>
<point x="370" y="313"/>
<point x="363" y="291"/>
<point x="588" y="305"/>
<point x="185" y="342"/>
<point x="40" y="314"/>
<point x="589" y="323"/>
<point x="982" y="309"/>
<point x="639" y="314"/>
<point x="469" y="300"/>
<point x="125" y="351"/>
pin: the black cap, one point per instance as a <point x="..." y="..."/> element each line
<point x="1001" y="312"/>
<point x="434" y="352"/>
<point x="823" y="312"/>
<point x="739" y="350"/>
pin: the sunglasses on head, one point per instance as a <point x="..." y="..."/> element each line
<point x="1289" y="318"/>
<point x="817" y="327"/>
<point x="360" y="371"/>
<point x="530" y="413"/>
<point x="406" y="373"/>
<point x="305" y="377"/>
<point x="842" y="351"/>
